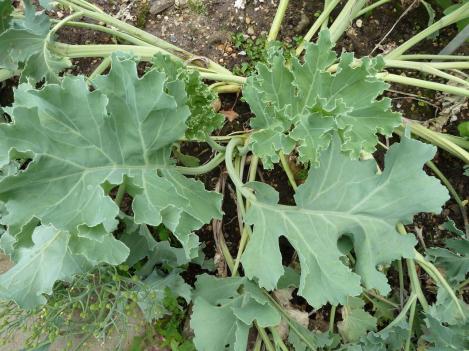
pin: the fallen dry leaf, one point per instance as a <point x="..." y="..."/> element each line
<point x="230" y="115"/>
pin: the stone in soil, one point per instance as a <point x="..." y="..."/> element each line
<point x="158" y="6"/>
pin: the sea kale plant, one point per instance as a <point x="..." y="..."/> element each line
<point x="92" y="175"/>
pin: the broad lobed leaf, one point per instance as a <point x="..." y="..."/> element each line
<point x="224" y="311"/>
<point x="78" y="141"/>
<point x="454" y="259"/>
<point x="24" y="45"/>
<point x="388" y="339"/>
<point x="306" y="106"/>
<point x="356" y="322"/>
<point x="57" y="255"/>
<point x="343" y="199"/>
<point x="153" y="290"/>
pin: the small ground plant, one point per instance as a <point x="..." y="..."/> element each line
<point x="101" y="213"/>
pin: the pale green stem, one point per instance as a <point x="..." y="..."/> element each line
<point x="432" y="271"/>
<point x="145" y="53"/>
<point x="239" y="198"/>
<point x="316" y="25"/>
<point x="412" y="270"/>
<point x="229" y="88"/>
<point x="231" y="78"/>
<point x="226" y="253"/>
<point x="277" y="22"/>
<point x="429" y="267"/>
<point x="265" y="338"/>
<point x="253" y="168"/>
<point x="288" y="171"/>
<point x="436" y="139"/>
<point x="221" y="138"/>
<point x="453" y="192"/>
<point x="415" y="284"/>
<point x="213" y="144"/>
<point x="460" y="141"/>
<point x="234" y="175"/>
<point x="326" y="21"/>
<point x="104" y="50"/>
<point x="433" y="57"/>
<point x="292" y="326"/>
<point x="371" y="7"/>
<point x="246" y="231"/>
<point x="231" y="170"/>
<point x="401" y="282"/>
<point x="411" y="324"/>
<point x="209" y="166"/>
<point x="146" y="37"/>
<point x="277" y="339"/>
<point x="62" y="23"/>
<point x="463" y="284"/>
<point x="120" y="193"/>
<point x="332" y="318"/>
<point x="87" y="5"/>
<point x="413" y="81"/>
<point x="447" y="20"/>
<point x="258" y="344"/>
<point x="98" y="28"/>
<point x="345" y="18"/>
<point x="104" y="65"/>
<point x="431" y="68"/>
<point x="381" y="298"/>
<point x="107" y="30"/>
<point x="240" y="209"/>
<point x="439" y="65"/>
<point x="6" y="74"/>
<point x="389" y="77"/>
<point x="401" y="316"/>
<point x="216" y="85"/>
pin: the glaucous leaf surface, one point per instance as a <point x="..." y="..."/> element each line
<point x="24" y="45"/>
<point x="388" y="339"/>
<point x="303" y="339"/>
<point x="454" y="259"/>
<point x="77" y="143"/>
<point x="356" y="322"/>
<point x="343" y="197"/>
<point x="442" y="337"/>
<point x="79" y="139"/>
<point x="152" y="292"/>
<point x="224" y="311"/>
<point x="57" y="255"/>
<point x="303" y="105"/>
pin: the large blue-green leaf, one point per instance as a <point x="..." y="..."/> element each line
<point x="57" y="255"/>
<point x="343" y="198"/>
<point x="356" y="322"/>
<point x="224" y="311"/>
<point x="78" y="140"/>
<point x="24" y="45"/>
<point x="454" y="259"/>
<point x="303" y="105"/>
